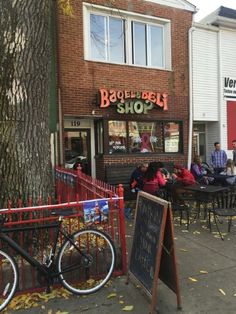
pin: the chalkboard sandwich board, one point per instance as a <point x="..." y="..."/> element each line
<point x="153" y="253"/>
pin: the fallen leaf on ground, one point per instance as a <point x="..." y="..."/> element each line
<point x="192" y="279"/>
<point x="112" y="295"/>
<point x="185" y="231"/>
<point x="196" y="232"/>
<point x="121" y="302"/>
<point x="183" y="250"/>
<point x="222" y="291"/>
<point x="128" y="308"/>
<point x="203" y="272"/>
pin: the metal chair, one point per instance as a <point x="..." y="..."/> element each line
<point x="225" y="207"/>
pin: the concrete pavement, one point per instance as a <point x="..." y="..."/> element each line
<point x="207" y="270"/>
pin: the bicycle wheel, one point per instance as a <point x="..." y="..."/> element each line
<point x="8" y="279"/>
<point x="86" y="265"/>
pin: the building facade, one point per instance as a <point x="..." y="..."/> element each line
<point x="123" y="81"/>
<point x="213" y="82"/>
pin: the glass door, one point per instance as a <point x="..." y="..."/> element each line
<point x="77" y="147"/>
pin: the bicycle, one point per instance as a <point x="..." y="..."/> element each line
<point x="87" y="256"/>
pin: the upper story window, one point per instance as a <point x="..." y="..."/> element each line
<point x="126" y="38"/>
<point x="107" y="40"/>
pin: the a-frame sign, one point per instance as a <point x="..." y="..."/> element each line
<point x="153" y="252"/>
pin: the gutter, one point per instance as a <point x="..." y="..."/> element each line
<point x="190" y="136"/>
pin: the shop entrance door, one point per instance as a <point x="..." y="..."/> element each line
<point x="77" y="145"/>
<point x="199" y="141"/>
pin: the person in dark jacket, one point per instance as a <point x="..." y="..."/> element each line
<point x="136" y="179"/>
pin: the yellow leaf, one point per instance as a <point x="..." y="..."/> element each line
<point x="222" y="291"/>
<point x="192" y="279"/>
<point x="203" y="272"/>
<point x="121" y="302"/>
<point x="235" y="295"/>
<point x="128" y="308"/>
<point x="183" y="250"/>
<point x="112" y="295"/>
<point x="90" y="281"/>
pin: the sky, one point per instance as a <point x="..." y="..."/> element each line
<point x="208" y="6"/>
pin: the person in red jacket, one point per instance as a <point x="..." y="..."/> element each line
<point x="183" y="176"/>
<point x="153" y="179"/>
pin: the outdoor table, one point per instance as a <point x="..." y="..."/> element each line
<point x="206" y="189"/>
<point x="207" y="194"/>
<point x="220" y="178"/>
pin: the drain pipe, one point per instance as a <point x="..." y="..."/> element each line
<point x="190" y="135"/>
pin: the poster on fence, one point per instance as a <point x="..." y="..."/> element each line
<point x="96" y="211"/>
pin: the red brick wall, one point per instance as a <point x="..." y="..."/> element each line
<point x="80" y="80"/>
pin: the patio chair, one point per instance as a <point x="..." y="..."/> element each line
<point x="183" y="206"/>
<point x="225" y="207"/>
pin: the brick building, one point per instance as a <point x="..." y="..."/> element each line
<point x="124" y="82"/>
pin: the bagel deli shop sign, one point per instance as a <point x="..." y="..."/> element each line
<point x="132" y="101"/>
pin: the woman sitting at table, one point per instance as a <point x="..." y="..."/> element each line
<point x="230" y="170"/>
<point x="153" y="178"/>
<point x="198" y="171"/>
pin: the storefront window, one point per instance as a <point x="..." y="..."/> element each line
<point x="144" y="137"/>
<point x="99" y="137"/>
<point x="171" y="137"/>
<point x="117" y="137"/>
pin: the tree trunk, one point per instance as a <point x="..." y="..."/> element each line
<point x="25" y="167"/>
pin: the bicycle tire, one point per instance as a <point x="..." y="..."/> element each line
<point x="76" y="273"/>
<point x="9" y="275"/>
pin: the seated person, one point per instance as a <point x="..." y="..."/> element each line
<point x="136" y="179"/>
<point x="182" y="177"/>
<point x="230" y="170"/>
<point x="198" y="171"/>
<point x="153" y="179"/>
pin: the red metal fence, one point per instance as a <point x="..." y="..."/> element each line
<point x="74" y="190"/>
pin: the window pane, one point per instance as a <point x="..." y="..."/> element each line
<point x="139" y="44"/>
<point x="117" y="136"/>
<point x="156" y="46"/>
<point x="98" y="37"/>
<point x="145" y="137"/>
<point x="171" y="137"/>
<point x="116" y="40"/>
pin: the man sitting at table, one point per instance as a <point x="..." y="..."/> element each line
<point x="181" y="177"/>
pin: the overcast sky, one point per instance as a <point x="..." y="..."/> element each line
<point x="207" y="6"/>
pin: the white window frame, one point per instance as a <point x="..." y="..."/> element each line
<point x="129" y="17"/>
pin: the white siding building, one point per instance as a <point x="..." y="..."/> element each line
<point x="212" y="45"/>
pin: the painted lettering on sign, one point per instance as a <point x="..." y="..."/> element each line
<point x="133" y="101"/>
<point x="230" y="87"/>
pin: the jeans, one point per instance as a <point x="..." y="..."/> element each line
<point x="218" y="170"/>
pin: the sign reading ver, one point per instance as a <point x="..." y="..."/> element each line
<point x="230" y="87"/>
<point x="132" y="101"/>
<point x="153" y="253"/>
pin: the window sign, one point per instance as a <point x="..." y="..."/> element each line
<point x="171" y="137"/>
<point x="117" y="136"/>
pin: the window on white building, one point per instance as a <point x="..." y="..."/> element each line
<point x="126" y="38"/>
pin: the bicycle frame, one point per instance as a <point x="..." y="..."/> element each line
<point x="43" y="269"/>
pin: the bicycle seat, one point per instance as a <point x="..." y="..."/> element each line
<point x="64" y="212"/>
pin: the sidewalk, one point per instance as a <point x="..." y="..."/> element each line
<point x="207" y="270"/>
